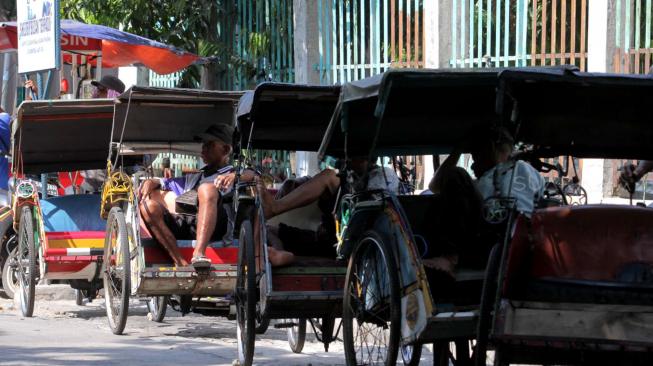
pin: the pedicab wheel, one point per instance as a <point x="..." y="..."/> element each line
<point x="79" y="297"/>
<point x="411" y="354"/>
<point x="371" y="304"/>
<point x="26" y="259"/>
<point x="117" y="272"/>
<point x="262" y="323"/>
<point x="246" y="295"/>
<point x="487" y="306"/>
<point x="10" y="280"/>
<point x="297" y="335"/>
<point x="157" y="307"/>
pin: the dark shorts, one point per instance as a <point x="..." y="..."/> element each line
<point x="307" y="243"/>
<point x="184" y="227"/>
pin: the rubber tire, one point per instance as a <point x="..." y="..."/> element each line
<point x="118" y="320"/>
<point x="414" y="357"/>
<point x="262" y="325"/>
<point x="79" y="297"/>
<point x="297" y="336"/>
<point x="487" y="306"/>
<point x="373" y="238"/>
<point x="157" y="307"/>
<point x="26" y="237"/>
<point x="246" y="300"/>
<point x="8" y="275"/>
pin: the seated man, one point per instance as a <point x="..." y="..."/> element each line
<point x="496" y="175"/>
<point x="323" y="187"/>
<point x="157" y="204"/>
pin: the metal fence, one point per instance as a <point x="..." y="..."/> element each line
<point x="632" y="36"/>
<point x="518" y="33"/>
<point x="164" y="81"/>
<point x="359" y="38"/>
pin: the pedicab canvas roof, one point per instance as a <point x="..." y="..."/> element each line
<point x="286" y="116"/>
<point x="61" y="135"/>
<point x="417" y="111"/>
<point x="580" y="114"/>
<point x="167" y="120"/>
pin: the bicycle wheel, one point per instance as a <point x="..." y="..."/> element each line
<point x="575" y="194"/>
<point x="157" y="307"/>
<point x="26" y="259"/>
<point x="246" y="292"/>
<point x="117" y="280"/>
<point x="487" y="306"/>
<point x="262" y="323"/>
<point x="10" y="281"/>
<point x="411" y="354"/>
<point x="371" y="304"/>
<point x="297" y="335"/>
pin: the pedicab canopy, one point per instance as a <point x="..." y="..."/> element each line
<point x="565" y="112"/>
<point x="411" y="112"/>
<point x="153" y="120"/>
<point x="286" y="116"/>
<point x="61" y="135"/>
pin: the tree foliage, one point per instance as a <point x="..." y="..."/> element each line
<point x="193" y="26"/>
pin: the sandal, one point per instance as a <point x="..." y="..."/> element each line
<point x="201" y="262"/>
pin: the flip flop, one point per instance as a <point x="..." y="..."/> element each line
<point x="201" y="262"/>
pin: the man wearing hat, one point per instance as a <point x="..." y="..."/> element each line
<point x="160" y="199"/>
<point x="108" y="87"/>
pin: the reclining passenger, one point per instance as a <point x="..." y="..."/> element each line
<point x="211" y="183"/>
<point x="496" y="175"/>
<point x="323" y="187"/>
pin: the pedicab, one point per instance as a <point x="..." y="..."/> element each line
<point x="389" y="306"/>
<point x="59" y="238"/>
<point x="572" y="285"/>
<point x="151" y="121"/>
<point x="291" y="118"/>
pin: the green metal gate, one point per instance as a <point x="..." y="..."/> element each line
<point x="518" y="33"/>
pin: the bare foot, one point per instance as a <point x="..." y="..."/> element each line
<point x="443" y="264"/>
<point x="267" y="201"/>
<point x="280" y="257"/>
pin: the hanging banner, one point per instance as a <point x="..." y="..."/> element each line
<point x="38" y="35"/>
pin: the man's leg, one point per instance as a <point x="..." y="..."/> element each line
<point x="207" y="216"/>
<point x="307" y="193"/>
<point x="152" y="213"/>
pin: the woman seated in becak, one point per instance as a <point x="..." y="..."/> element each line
<point x="453" y="225"/>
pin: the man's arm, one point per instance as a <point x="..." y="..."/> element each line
<point x="642" y="168"/>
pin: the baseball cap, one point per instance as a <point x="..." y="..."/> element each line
<point x="110" y="82"/>
<point x="223" y="133"/>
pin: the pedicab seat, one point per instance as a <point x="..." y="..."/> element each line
<point x="73" y="228"/>
<point x="591" y="254"/>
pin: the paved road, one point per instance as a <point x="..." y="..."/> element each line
<point x="62" y="333"/>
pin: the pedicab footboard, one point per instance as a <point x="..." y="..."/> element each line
<point x="161" y="277"/>
<point x="607" y="327"/>
<point x="306" y="290"/>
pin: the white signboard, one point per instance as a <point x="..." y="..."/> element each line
<point x="38" y="35"/>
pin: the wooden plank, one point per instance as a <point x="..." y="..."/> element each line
<point x="363" y="53"/>
<point x="393" y="44"/>
<point x="647" y="39"/>
<point x="627" y="27"/>
<point x="385" y="32"/>
<point x="583" y="33"/>
<point x="572" y="43"/>
<point x="400" y="50"/>
<point x="616" y="60"/>
<point x="638" y="28"/>
<point x="545" y="5"/>
<point x="637" y="69"/>
<point x="408" y="31"/>
<point x="647" y="61"/>
<point x="416" y="14"/>
<point x="534" y="32"/>
<point x="554" y="31"/>
<point x="563" y="30"/>
<point x="590" y="323"/>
